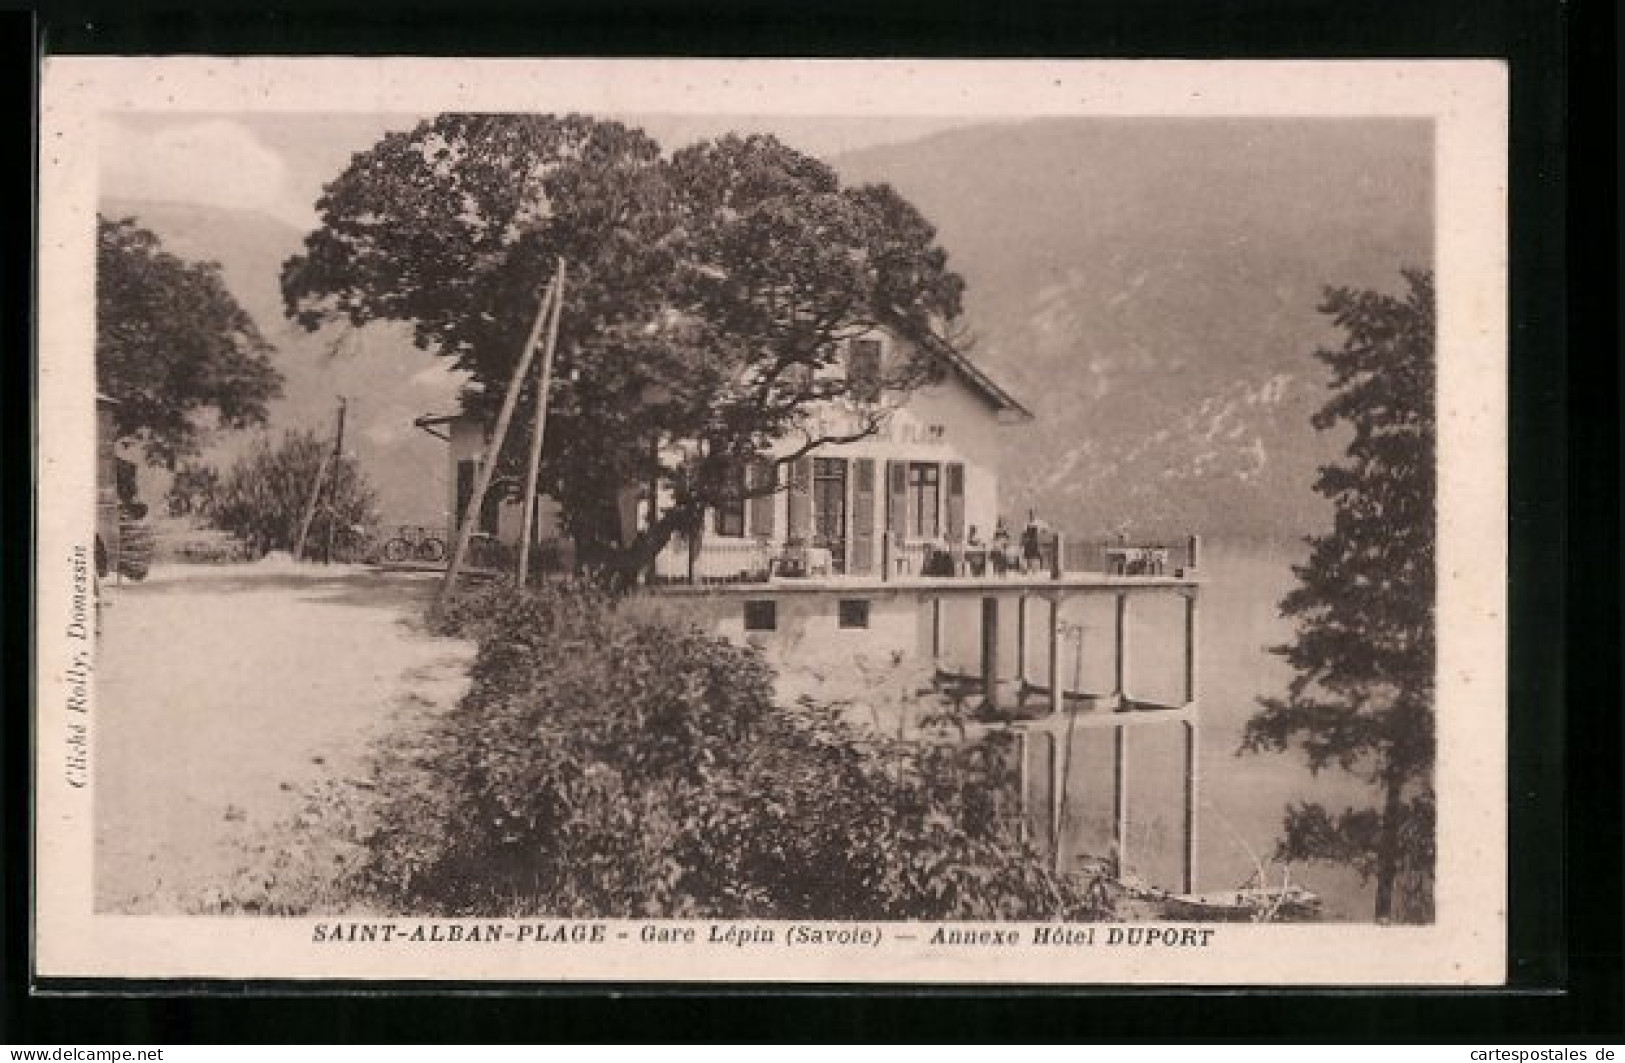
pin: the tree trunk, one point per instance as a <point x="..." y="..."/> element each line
<point x="1388" y="850"/>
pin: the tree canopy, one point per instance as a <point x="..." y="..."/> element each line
<point x="706" y="291"/>
<point x="173" y="345"/>
<point x="1362" y="696"/>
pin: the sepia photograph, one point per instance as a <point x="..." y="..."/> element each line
<point x="772" y="521"/>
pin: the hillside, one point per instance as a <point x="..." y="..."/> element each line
<point x="387" y="380"/>
<point x="1149" y="288"/>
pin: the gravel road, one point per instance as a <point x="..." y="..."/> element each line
<point x="226" y="697"/>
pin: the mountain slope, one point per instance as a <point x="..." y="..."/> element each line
<point x="388" y="381"/>
<point x="1149" y="288"/>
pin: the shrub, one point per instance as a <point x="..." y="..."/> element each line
<point x="263" y="497"/>
<point x="608" y="762"/>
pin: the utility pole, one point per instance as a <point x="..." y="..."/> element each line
<point x="487" y="468"/>
<point x="533" y="467"/>
<point x="333" y="493"/>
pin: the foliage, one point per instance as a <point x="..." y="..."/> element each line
<point x="193" y="489"/>
<point x="263" y="497"/>
<point x="609" y="763"/>
<point x="1362" y="698"/>
<point x="705" y="293"/>
<point x="173" y="345"/>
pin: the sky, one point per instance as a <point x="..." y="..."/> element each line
<point x="277" y="163"/>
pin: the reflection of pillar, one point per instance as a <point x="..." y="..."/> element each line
<point x="1120" y="796"/>
<point x="1053" y="754"/>
<point x="1057" y="694"/>
<point x="1189" y="876"/>
<point x="1190" y="649"/>
<point x="936" y="632"/>
<point x="990" y="651"/>
<point x="1021" y="642"/>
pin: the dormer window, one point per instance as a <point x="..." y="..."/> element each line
<point x="863" y="370"/>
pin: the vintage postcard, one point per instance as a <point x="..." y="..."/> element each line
<point x="1033" y="523"/>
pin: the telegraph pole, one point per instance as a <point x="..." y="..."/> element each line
<point x="333" y="494"/>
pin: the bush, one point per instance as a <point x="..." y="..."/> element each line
<point x="263" y="497"/>
<point x="611" y="763"/>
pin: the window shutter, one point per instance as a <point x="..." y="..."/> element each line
<point x="956" y="502"/>
<point x="801" y="499"/>
<point x="863" y="516"/>
<point x="897" y="498"/>
<point x="764" y="475"/>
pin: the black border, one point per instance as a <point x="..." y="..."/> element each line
<point x="1564" y="942"/>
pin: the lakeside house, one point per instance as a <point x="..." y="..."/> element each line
<point x="860" y="547"/>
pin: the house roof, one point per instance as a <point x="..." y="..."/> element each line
<point x="984" y="385"/>
<point x="979" y="381"/>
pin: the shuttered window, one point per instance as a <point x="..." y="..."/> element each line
<point x="955" y="507"/>
<point x="764" y="475"/>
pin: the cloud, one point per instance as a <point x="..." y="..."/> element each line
<point x="214" y="162"/>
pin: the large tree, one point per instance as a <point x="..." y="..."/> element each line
<point x="706" y="291"/>
<point x="1362" y="698"/>
<point x="173" y="345"/>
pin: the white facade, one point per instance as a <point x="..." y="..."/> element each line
<point x="926" y="478"/>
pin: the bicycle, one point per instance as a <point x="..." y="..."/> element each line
<point x="415" y="543"/>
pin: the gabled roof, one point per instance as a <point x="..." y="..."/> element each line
<point x="984" y="385"/>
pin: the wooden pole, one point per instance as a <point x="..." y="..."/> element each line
<point x="555" y="295"/>
<point x="333" y="495"/>
<point x="310" y="507"/>
<point x="482" y="480"/>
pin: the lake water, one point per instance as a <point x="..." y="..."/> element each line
<point x="1242" y="797"/>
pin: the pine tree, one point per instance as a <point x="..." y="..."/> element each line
<point x="1362" y="698"/>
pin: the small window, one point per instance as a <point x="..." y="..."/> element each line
<point x="854" y="612"/>
<point x="762" y="615"/>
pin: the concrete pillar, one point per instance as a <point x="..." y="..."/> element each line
<point x="1057" y="692"/>
<point x="1191" y="787"/>
<point x="1021" y="642"/>
<point x="1120" y="659"/>
<point x="990" y="650"/>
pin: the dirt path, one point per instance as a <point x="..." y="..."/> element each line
<point x="226" y="697"/>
